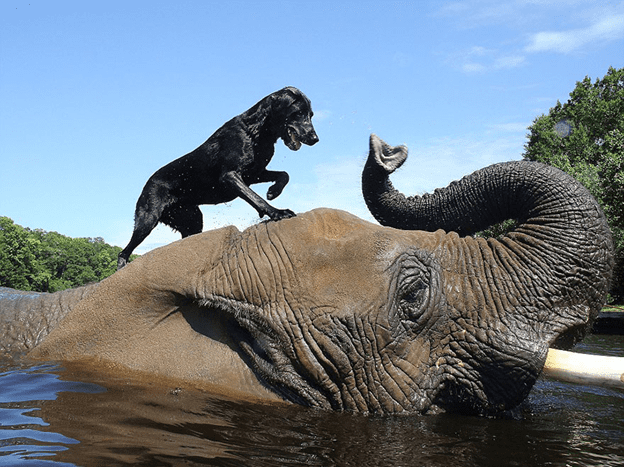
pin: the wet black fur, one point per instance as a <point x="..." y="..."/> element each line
<point x="223" y="168"/>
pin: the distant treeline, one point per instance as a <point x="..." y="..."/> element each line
<point x="48" y="261"/>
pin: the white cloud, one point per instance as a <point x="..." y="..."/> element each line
<point x="530" y="29"/>
<point x="606" y="29"/>
<point x="471" y="67"/>
<point x="510" y="61"/>
<point x="479" y="60"/>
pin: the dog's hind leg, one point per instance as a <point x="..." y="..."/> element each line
<point x="143" y="226"/>
<point x="149" y="210"/>
<point x="188" y="220"/>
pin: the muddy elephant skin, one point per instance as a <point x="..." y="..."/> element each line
<point x="330" y="311"/>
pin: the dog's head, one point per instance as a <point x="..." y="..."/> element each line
<point x="296" y="114"/>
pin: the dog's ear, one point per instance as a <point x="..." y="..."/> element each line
<point x="284" y="98"/>
<point x="293" y="92"/>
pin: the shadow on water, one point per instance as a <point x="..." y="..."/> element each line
<point x="51" y="415"/>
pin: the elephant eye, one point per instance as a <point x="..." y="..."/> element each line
<point x="414" y="298"/>
<point x="417" y="291"/>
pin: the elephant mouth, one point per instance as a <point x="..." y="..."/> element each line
<point x="264" y="348"/>
<point x="487" y="387"/>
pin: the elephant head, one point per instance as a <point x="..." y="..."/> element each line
<point x="504" y="300"/>
<point x="330" y="311"/>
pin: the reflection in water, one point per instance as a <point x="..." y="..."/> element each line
<point x="65" y="416"/>
<point x="22" y="392"/>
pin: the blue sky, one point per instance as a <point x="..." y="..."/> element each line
<point x="95" y="96"/>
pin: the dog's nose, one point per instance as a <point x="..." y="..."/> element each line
<point x="312" y="138"/>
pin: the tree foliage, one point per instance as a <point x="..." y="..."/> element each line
<point x="47" y="261"/>
<point x="585" y="138"/>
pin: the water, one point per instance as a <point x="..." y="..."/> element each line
<point x="60" y="416"/>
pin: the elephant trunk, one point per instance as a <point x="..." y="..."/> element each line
<point x="559" y="256"/>
<point x="467" y="206"/>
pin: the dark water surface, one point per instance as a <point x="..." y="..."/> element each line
<point x="56" y="416"/>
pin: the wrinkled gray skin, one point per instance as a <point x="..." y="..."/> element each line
<point x="330" y="311"/>
<point x="544" y="282"/>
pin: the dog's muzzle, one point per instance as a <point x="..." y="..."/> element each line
<point x="294" y="140"/>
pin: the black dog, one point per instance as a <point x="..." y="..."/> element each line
<point x="222" y="168"/>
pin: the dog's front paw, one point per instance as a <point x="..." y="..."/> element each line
<point x="280" y="214"/>
<point x="274" y="191"/>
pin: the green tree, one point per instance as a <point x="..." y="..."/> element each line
<point x="585" y="138"/>
<point x="20" y="267"/>
<point x="48" y="261"/>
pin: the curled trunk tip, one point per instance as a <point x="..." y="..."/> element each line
<point x="387" y="157"/>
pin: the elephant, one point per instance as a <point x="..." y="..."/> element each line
<point x="334" y="312"/>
